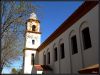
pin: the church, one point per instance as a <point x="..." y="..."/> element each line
<point x="73" y="48"/>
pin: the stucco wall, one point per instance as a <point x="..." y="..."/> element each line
<point x="72" y="63"/>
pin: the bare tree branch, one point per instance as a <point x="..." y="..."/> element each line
<point x="14" y="14"/>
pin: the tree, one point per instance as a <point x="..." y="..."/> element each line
<point x="17" y="71"/>
<point x="14" y="15"/>
<point x="9" y="49"/>
<point x="14" y="71"/>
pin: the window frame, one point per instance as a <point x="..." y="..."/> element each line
<point x="32" y="59"/>
<point x="85" y="45"/>
<point x="33" y="28"/>
<point x="48" y="56"/>
<point x="74" y="51"/>
<point x="32" y="41"/>
<point x="55" y="54"/>
<point x="62" y="50"/>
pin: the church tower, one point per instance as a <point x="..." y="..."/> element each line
<point x="32" y="42"/>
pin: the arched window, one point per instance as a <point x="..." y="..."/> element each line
<point x="62" y="50"/>
<point x="48" y="57"/>
<point x="86" y="38"/>
<point x="85" y="35"/>
<point x="55" y="52"/>
<point x="32" y="59"/>
<point x="73" y="42"/>
<point x="33" y="28"/>
<point x="33" y="41"/>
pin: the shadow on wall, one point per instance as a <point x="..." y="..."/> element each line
<point x="36" y="59"/>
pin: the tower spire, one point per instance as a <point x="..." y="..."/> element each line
<point x="33" y="16"/>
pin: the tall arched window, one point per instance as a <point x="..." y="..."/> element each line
<point x="73" y="42"/>
<point x="33" y="41"/>
<point x="86" y="38"/>
<point x="33" y="28"/>
<point x="85" y="35"/>
<point x="32" y="59"/>
<point x="62" y="50"/>
<point x="48" y="57"/>
<point x="55" y="54"/>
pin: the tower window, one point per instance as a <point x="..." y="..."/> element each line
<point x="86" y="38"/>
<point x="33" y="41"/>
<point x="32" y="59"/>
<point x="33" y="28"/>
<point x="48" y="57"/>
<point x="74" y="44"/>
<point x="62" y="50"/>
<point x="55" y="54"/>
<point x="44" y="59"/>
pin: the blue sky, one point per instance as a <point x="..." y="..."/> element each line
<point x="51" y="15"/>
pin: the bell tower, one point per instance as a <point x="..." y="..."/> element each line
<point x="32" y="42"/>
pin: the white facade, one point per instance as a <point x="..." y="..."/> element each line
<point x="28" y="65"/>
<point x="30" y="37"/>
<point x="72" y="63"/>
<point x="59" y="51"/>
<point x="32" y="42"/>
